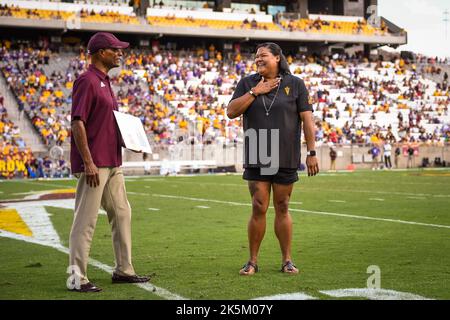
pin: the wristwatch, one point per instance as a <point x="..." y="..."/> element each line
<point x="252" y="93"/>
<point x="311" y="153"/>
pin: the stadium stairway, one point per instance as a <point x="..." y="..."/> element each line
<point x="142" y="20"/>
<point x="60" y="64"/>
<point x="27" y="131"/>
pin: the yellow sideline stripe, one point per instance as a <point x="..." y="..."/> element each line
<point x="11" y="221"/>
<point x="60" y="191"/>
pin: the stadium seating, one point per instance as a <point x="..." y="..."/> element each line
<point x="209" y="23"/>
<point x="43" y="95"/>
<point x="167" y="16"/>
<point x="333" y="27"/>
<point x="182" y="96"/>
<point x="17" y="12"/>
<point x="107" y="17"/>
<point x="92" y="16"/>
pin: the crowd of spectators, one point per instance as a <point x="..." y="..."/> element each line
<point x="15" y="157"/>
<point x="107" y="16"/>
<point x="181" y="96"/>
<point x="43" y="97"/>
<point x="324" y="26"/>
<point x="97" y="16"/>
<point x="17" y="12"/>
<point x="17" y="160"/>
<point x="177" y="93"/>
<point x="365" y="102"/>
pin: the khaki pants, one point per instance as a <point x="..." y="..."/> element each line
<point x="112" y="196"/>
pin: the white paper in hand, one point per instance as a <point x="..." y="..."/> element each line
<point x="132" y="132"/>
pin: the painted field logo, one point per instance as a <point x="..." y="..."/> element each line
<point x="258" y="149"/>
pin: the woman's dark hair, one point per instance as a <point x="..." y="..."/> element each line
<point x="276" y="51"/>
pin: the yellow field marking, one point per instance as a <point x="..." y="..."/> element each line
<point x="73" y="190"/>
<point x="435" y="174"/>
<point x="11" y="221"/>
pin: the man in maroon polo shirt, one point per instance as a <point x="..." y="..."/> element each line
<point x="96" y="158"/>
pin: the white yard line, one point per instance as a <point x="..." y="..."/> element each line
<point x="59" y="203"/>
<point x="137" y="193"/>
<point x="37" y="219"/>
<point x="372" y="218"/>
<point x="373" y="294"/>
<point x="376" y="199"/>
<point x="306" y="211"/>
<point x="153" y="209"/>
<point x="337" y="201"/>
<point x="203" y="183"/>
<point x="29" y="192"/>
<point x="59" y="186"/>
<point x="37" y="194"/>
<point x="244" y="185"/>
<point x="201" y="199"/>
<point x="161" y="292"/>
<point x="203" y="207"/>
<point x="378" y="192"/>
<point x="363" y="181"/>
<point x="288" y="296"/>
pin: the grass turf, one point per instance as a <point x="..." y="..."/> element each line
<point x="195" y="248"/>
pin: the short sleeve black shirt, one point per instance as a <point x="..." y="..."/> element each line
<point x="284" y="115"/>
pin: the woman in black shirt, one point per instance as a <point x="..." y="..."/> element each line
<point x="274" y="104"/>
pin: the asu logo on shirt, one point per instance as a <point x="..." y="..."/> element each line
<point x="287" y="90"/>
<point x="310" y="100"/>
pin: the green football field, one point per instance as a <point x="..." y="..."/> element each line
<point x="189" y="233"/>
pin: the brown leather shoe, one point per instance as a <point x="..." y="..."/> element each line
<point x="88" y="287"/>
<point x="117" y="278"/>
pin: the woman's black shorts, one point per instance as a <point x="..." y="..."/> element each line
<point x="283" y="176"/>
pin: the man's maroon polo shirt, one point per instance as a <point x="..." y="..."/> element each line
<point x="93" y="102"/>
